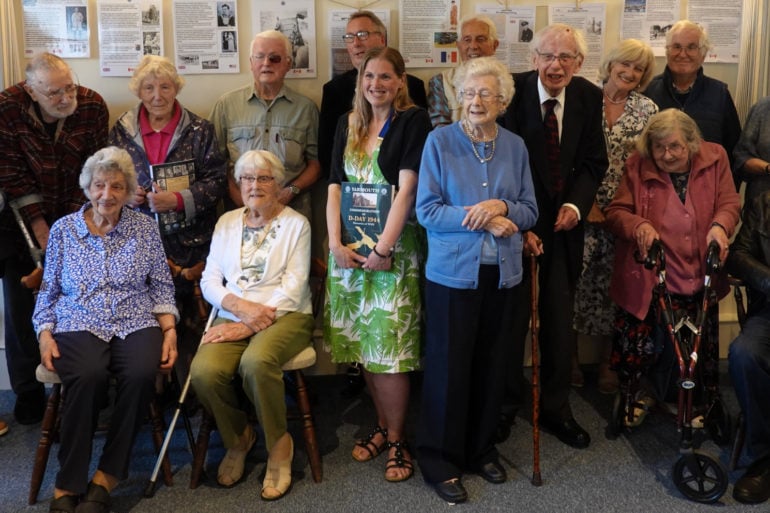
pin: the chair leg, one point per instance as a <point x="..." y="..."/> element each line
<point x="201" y="448"/>
<point x="156" y="419"/>
<point x="308" y="429"/>
<point x="47" y="435"/>
<point x="740" y="436"/>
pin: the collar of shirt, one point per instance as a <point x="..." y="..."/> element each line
<point x="82" y="228"/>
<point x="558" y="109"/>
<point x="284" y="92"/>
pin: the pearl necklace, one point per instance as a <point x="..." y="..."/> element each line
<point x="614" y="102"/>
<point x="475" y="140"/>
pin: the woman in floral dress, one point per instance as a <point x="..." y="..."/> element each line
<point x="373" y="308"/>
<point x="626" y="70"/>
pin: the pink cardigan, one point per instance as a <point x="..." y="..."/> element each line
<point x="646" y="194"/>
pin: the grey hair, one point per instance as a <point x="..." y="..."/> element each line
<point x="273" y="34"/>
<point x="665" y="123"/>
<point x="109" y="159"/>
<point x="480" y="18"/>
<point x="260" y="159"/>
<point x="556" y="29"/>
<point x="157" y="66"/>
<point x="631" y="50"/>
<point x="486" y="66"/>
<point x="703" y="39"/>
<point x="374" y="19"/>
<point x="45" y="62"/>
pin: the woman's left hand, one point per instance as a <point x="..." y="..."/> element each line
<point x="227" y="332"/>
<point x="168" y="353"/>
<point x="481" y="213"/>
<point x="377" y="263"/>
<point x="717" y="234"/>
<point x="161" y="201"/>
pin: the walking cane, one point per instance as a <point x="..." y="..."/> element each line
<point x="536" y="479"/>
<point x="150" y="490"/>
<point x="35" y="278"/>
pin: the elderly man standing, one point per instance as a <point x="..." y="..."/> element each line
<point x="478" y="38"/>
<point x="268" y="115"/>
<point x="49" y="126"/>
<point x="559" y="116"/>
<point x="363" y="32"/>
<point x="683" y="86"/>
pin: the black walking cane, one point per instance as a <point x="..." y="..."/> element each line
<point x="150" y="490"/>
<point x="536" y="479"/>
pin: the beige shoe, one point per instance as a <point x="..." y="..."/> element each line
<point x="3" y="427"/>
<point x="277" y="481"/>
<point x="231" y="469"/>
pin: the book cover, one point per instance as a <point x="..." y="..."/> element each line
<point x="364" y="209"/>
<point x="173" y="177"/>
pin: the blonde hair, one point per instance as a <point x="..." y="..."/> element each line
<point x="358" y="125"/>
<point x="157" y="66"/>
<point x="631" y="50"/>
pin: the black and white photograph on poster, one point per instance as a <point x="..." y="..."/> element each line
<point x="295" y="20"/>
<point x="58" y="27"/>
<point x="515" y="30"/>
<point x="151" y="43"/>
<point x="228" y="41"/>
<point x="525" y="32"/>
<point x="151" y="16"/>
<point x="225" y="14"/>
<point x="78" y="21"/>
<point x="207" y="29"/>
<point x="128" y="29"/>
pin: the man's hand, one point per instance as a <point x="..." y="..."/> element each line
<point x="566" y="220"/>
<point x="533" y="245"/>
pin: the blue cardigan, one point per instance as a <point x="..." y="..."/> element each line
<point x="451" y="177"/>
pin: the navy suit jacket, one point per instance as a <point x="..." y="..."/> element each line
<point x="582" y="153"/>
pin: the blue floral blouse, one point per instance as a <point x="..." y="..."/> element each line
<point x="110" y="286"/>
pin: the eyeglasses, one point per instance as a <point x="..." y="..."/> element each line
<point x="675" y="149"/>
<point x="564" y="58"/>
<point x="485" y="95"/>
<point x="274" y="58"/>
<point x="362" y="35"/>
<point x="54" y="96"/>
<point x="690" y="49"/>
<point x="262" y="179"/>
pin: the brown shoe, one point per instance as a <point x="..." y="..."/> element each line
<point x="3" y="427"/>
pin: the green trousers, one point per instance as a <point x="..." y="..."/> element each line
<point x="258" y="361"/>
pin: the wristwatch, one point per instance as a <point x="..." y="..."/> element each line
<point x="294" y="189"/>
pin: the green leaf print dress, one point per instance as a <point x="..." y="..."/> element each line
<point x="373" y="317"/>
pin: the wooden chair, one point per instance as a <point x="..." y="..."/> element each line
<point x="304" y="360"/>
<point x="50" y="431"/>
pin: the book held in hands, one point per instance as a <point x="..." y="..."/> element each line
<point x="364" y="209"/>
<point x="173" y="177"/>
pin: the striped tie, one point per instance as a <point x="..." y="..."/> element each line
<point x="552" y="146"/>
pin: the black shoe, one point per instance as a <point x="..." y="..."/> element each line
<point x="504" y="424"/>
<point x="451" y="491"/>
<point x="492" y="472"/>
<point x="96" y="500"/>
<point x="568" y="431"/>
<point x="30" y="406"/>
<point x="754" y="486"/>
<point x="64" y="504"/>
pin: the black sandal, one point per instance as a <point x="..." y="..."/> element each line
<point x="373" y="449"/>
<point x="398" y="461"/>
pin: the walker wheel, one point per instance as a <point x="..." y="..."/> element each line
<point x="699" y="477"/>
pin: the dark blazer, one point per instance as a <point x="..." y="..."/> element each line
<point x="583" y="154"/>
<point x="337" y="99"/>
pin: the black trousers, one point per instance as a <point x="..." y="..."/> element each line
<point x="467" y="354"/>
<point x="557" y="337"/>
<point x="86" y="366"/>
<point x="22" y="353"/>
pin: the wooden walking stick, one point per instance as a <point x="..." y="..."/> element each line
<point x="537" y="480"/>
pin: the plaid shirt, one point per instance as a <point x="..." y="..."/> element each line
<point x="31" y="162"/>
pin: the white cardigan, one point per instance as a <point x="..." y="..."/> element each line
<point x="284" y="284"/>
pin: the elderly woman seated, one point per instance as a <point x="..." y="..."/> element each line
<point x="105" y="309"/>
<point x="257" y="277"/>
<point x="678" y="189"/>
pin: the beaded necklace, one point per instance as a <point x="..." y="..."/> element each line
<point x="475" y="140"/>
